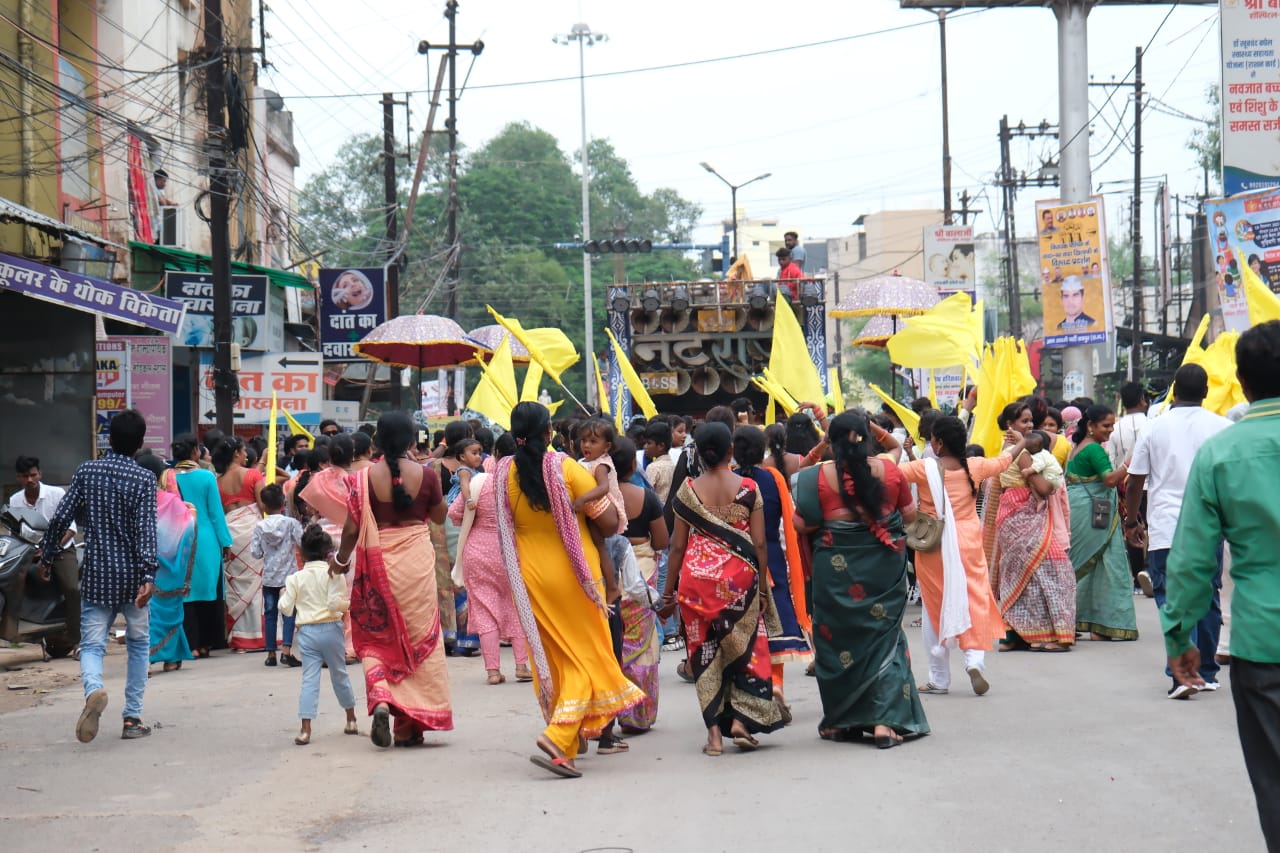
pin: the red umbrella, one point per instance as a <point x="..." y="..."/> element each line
<point x="424" y="341"/>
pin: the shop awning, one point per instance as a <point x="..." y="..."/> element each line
<point x="179" y="260"/>
<point x="11" y="211"/>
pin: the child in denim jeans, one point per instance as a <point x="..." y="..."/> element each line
<point x="275" y="541"/>
<point x="317" y="600"/>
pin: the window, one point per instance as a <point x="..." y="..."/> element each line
<point x="171" y="232"/>
<point x="73" y="132"/>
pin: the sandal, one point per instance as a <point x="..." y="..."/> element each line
<point x="351" y="728"/>
<point x="712" y="751"/>
<point x="682" y="670"/>
<point x="933" y="688"/>
<point x="172" y="666"/>
<point x="303" y="738"/>
<point x="523" y="674"/>
<point x="1015" y="645"/>
<point x="554" y="761"/>
<point x="496" y="677"/>
<point x="1049" y="647"/>
<point x="839" y="735"/>
<point x="611" y="745"/>
<point x="784" y="710"/>
<point x="380" y="733"/>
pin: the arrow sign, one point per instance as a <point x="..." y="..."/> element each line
<point x="296" y="362"/>
<point x="211" y="415"/>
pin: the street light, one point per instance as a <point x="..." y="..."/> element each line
<point x="733" y="195"/>
<point x="582" y="34"/>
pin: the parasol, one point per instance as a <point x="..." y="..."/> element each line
<point x="424" y="341"/>
<point x="490" y="338"/>
<point x="892" y="295"/>
<point x="876" y="332"/>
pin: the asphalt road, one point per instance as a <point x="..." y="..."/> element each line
<point x="1068" y="752"/>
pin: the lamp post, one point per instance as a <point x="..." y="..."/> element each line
<point x="582" y="34"/>
<point x="733" y="196"/>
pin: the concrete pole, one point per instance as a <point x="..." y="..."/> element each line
<point x="1073" y="156"/>
<point x="588" y="313"/>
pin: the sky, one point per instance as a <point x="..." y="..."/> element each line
<point x="839" y="99"/>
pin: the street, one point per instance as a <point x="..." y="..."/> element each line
<point x="1070" y="752"/>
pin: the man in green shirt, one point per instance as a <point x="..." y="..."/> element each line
<point x="1229" y="496"/>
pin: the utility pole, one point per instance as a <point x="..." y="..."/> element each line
<point x="947" y="218"/>
<point x="965" y="210"/>
<point x="454" y="256"/>
<point x="391" y="200"/>
<point x="226" y="387"/>
<point x="1139" y="303"/>
<point x="1012" y="288"/>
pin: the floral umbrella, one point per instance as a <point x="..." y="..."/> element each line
<point x="424" y="341"/>
<point x="877" y="331"/>
<point x="490" y="338"/>
<point x="892" y="295"/>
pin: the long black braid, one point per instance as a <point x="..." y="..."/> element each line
<point x="396" y="434"/>
<point x="951" y="434"/>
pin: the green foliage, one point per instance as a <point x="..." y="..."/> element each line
<point x="1206" y="142"/>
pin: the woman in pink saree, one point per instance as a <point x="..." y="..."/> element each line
<point x="395" y="613"/>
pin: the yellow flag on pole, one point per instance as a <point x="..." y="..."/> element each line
<point x="550" y="348"/>
<point x="837" y="393"/>
<point x="271" y="442"/>
<point x="602" y="390"/>
<point x="295" y="427"/>
<point x="635" y="385"/>
<point x="789" y="360"/>
<point x="532" y="383"/>
<point x="495" y="394"/>
<point x="909" y="418"/>
<point x="948" y="334"/>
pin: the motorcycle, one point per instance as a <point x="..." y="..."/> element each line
<point x="31" y="608"/>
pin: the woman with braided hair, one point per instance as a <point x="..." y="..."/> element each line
<point x="395" y="613"/>
<point x="960" y="479"/>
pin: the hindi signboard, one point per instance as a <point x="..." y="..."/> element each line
<point x="1244" y="229"/>
<point x="83" y="293"/>
<point x="1075" y="278"/>
<point x="353" y="302"/>
<point x="151" y="386"/>
<point x="1250" y="94"/>
<point x="295" y="377"/>
<point x="248" y="309"/>
<point x="950" y="263"/>
<point x="112" y="388"/>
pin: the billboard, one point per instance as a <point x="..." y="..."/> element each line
<point x="294" y="377"/>
<point x="352" y="303"/>
<point x="1074" y="274"/>
<point x="950" y="263"/>
<point x="1250" y="94"/>
<point x="248" y="309"/>
<point x="1244" y="229"/>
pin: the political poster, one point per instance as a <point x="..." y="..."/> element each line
<point x="294" y="377"/>
<point x="1244" y="229"/>
<point x="248" y="309"/>
<point x="353" y="302"/>
<point x="1075" y="277"/>
<point x="1250" y="94"/>
<point x="950" y="263"/>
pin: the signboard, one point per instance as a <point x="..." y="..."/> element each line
<point x="660" y="383"/>
<point x="950" y="263"/>
<point x="345" y="412"/>
<point x="1075" y="278"/>
<point x="72" y="290"/>
<point x="293" y="376"/>
<point x="352" y="303"/>
<point x="1244" y="229"/>
<point x="248" y="309"/>
<point x="112" y="389"/>
<point x="1250" y="94"/>
<point x="151" y="386"/>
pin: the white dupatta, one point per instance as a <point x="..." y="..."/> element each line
<point x="953" y="615"/>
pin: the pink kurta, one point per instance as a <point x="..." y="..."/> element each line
<point x="488" y="590"/>
<point x="984" y="613"/>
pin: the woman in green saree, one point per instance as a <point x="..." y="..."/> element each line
<point x="1104" y="587"/>
<point x="853" y="510"/>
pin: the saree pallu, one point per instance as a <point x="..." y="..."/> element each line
<point x="863" y="664"/>
<point x="444" y="582"/>
<point x="176" y="533"/>
<point x="722" y="614"/>
<point x="1037" y="585"/>
<point x="786" y="573"/>
<point x="243" y="572"/>
<point x="1104" y="586"/>
<point x="640" y="647"/>
<point x="395" y="621"/>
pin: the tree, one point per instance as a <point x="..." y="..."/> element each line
<point x="1206" y="142"/>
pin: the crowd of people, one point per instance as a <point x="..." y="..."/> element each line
<point x="746" y="547"/>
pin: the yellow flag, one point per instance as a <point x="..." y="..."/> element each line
<point x="837" y="393"/>
<point x="495" y="395"/>
<point x="1263" y="304"/>
<point x="933" y="390"/>
<point x="944" y="336"/>
<point x="1219" y="362"/>
<point x="639" y="394"/>
<point x="602" y="390"/>
<point x="771" y="386"/>
<point x="1003" y="375"/>
<point x="271" y="442"/>
<point x="909" y="418"/>
<point x="789" y="360"/>
<point x="532" y="383"/>
<point x="550" y="348"/>
<point x="297" y="428"/>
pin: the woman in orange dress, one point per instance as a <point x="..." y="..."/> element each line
<point x="960" y="479"/>
<point x="240" y="488"/>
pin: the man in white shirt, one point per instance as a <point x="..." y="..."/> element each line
<point x="44" y="499"/>
<point x="1124" y="439"/>
<point x="1162" y="462"/>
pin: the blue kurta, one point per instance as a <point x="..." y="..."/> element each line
<point x="200" y="488"/>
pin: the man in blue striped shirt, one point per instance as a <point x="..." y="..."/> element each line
<point x="114" y="498"/>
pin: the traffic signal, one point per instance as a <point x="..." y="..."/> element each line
<point x="617" y="247"/>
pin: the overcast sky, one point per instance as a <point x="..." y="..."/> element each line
<point x="838" y="99"/>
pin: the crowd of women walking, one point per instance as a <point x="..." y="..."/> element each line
<point x="585" y="551"/>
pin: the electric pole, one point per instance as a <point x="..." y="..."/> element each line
<point x="1139" y="304"/>
<point x="391" y="199"/>
<point x="454" y="256"/>
<point x="226" y="387"/>
<point x="965" y="210"/>
<point x="1013" y="289"/>
<point x="947" y="218"/>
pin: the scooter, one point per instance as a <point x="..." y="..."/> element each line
<point x="31" y="608"/>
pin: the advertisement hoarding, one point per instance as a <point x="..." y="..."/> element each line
<point x="1250" y="94"/>
<point x="248" y="309"/>
<point x="295" y="377"/>
<point x="353" y="302"/>
<point x="1243" y="229"/>
<point x="1075" y="276"/>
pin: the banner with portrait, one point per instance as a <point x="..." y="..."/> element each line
<point x="1243" y="229"/>
<point x="1249" y="101"/>
<point x="950" y="263"/>
<point x="1074" y="273"/>
<point x="353" y="302"/>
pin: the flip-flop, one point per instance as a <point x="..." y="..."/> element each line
<point x="887" y="742"/>
<point x="712" y="751"/>
<point x="1044" y="647"/>
<point x="746" y="743"/>
<point x="559" y="766"/>
<point x="380" y="732"/>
